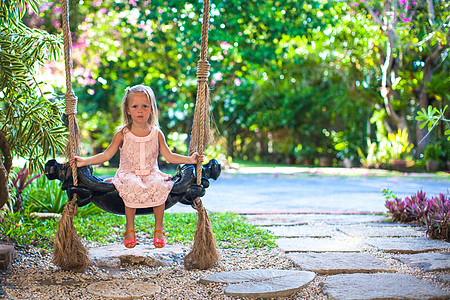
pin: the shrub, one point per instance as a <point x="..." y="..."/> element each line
<point x="45" y="195"/>
<point x="432" y="213"/>
<point x="432" y="152"/>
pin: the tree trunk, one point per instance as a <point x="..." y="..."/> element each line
<point x="424" y="101"/>
<point x="5" y="167"/>
<point x="387" y="72"/>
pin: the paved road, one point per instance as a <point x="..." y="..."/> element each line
<point x="310" y="192"/>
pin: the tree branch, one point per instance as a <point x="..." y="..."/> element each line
<point x="375" y="17"/>
<point x="431" y="12"/>
<point x="429" y="36"/>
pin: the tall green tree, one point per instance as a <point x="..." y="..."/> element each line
<point x="29" y="121"/>
<point x="121" y="44"/>
<point x="415" y="50"/>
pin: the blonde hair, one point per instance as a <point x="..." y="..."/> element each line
<point x="146" y="90"/>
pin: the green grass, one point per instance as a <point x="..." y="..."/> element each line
<point x="230" y="230"/>
<point x="252" y="164"/>
<point x="107" y="172"/>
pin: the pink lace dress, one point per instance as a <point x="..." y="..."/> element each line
<point x="139" y="181"/>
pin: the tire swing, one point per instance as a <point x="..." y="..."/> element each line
<point x="69" y="252"/>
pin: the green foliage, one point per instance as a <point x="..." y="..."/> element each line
<point x="431" y="117"/>
<point x="277" y="67"/>
<point x="45" y="195"/>
<point x="398" y="144"/>
<point x="432" y="152"/>
<point x="392" y="146"/>
<point x="23" y="229"/>
<point x="32" y="123"/>
<point x="342" y="144"/>
<point x="371" y="159"/>
<point x="230" y="230"/>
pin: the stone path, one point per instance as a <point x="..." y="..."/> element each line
<point x="362" y="257"/>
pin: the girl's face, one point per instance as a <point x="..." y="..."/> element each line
<point x="139" y="108"/>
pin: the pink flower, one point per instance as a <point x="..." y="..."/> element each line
<point x="237" y="82"/>
<point x="401" y="1"/>
<point x="406" y="20"/>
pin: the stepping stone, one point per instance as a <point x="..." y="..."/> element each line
<point x="261" y="283"/>
<point x="407" y="245"/>
<point x="114" y="256"/>
<point x="7" y="255"/>
<point x="380" y="286"/>
<point x="380" y="231"/>
<point x="302" y="231"/>
<point x="352" y="219"/>
<point x="314" y="245"/>
<point x="275" y="219"/>
<point x="435" y="261"/>
<point x="335" y="263"/>
<point x="123" y="289"/>
<point x="303" y="219"/>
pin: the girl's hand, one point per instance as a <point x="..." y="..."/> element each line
<point x="78" y="160"/>
<point x="196" y="157"/>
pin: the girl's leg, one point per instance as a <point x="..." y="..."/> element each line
<point x="129" y="225"/>
<point x="158" y="211"/>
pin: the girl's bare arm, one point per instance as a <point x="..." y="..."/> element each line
<point x="101" y="157"/>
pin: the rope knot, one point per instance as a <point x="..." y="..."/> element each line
<point x="203" y="70"/>
<point x="71" y="209"/>
<point x="198" y="204"/>
<point x="71" y="103"/>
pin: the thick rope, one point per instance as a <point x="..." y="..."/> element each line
<point x="69" y="252"/>
<point x="204" y="253"/>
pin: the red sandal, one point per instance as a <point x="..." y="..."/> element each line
<point x="159" y="243"/>
<point x="130" y="243"/>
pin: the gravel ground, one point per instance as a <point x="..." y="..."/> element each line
<point x="34" y="276"/>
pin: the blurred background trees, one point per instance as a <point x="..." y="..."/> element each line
<point x="291" y="81"/>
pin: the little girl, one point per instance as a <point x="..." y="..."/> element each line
<point x="139" y="181"/>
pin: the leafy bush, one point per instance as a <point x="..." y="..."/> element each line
<point x="45" y="195"/>
<point x="398" y="145"/>
<point x="392" y="146"/>
<point x="432" y="213"/>
<point x="432" y="152"/>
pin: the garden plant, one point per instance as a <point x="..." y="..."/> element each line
<point x="432" y="213"/>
